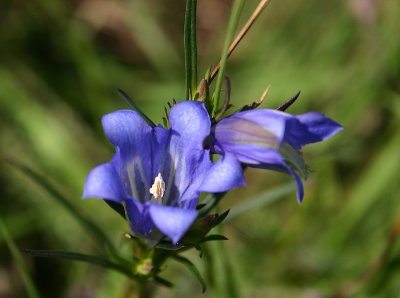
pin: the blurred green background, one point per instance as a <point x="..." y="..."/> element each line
<point x="60" y="64"/>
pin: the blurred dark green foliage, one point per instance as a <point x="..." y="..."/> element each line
<point x="60" y="65"/>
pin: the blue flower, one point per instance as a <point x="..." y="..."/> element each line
<point x="158" y="173"/>
<point x="271" y="139"/>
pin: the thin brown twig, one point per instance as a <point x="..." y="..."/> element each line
<point x="264" y="95"/>
<point x="263" y="4"/>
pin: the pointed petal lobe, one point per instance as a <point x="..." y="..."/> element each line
<point x="225" y="174"/>
<point x="172" y="221"/>
<point x="319" y="125"/>
<point x="138" y="215"/>
<point x="131" y="136"/>
<point x="191" y="120"/>
<point x="104" y="182"/>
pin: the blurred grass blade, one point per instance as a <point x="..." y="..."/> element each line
<point x="367" y="190"/>
<point x="87" y="223"/>
<point x="134" y="107"/>
<point x="265" y="198"/>
<point x="190" y="47"/>
<point x="29" y="285"/>
<point x="192" y="269"/>
<point x="232" y="289"/>
<point x="96" y="260"/>
<point x="220" y="270"/>
<point x="232" y="25"/>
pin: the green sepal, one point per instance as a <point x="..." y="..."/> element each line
<point x="227" y="98"/>
<point x="210" y="202"/>
<point x="117" y="207"/>
<point x="283" y="107"/>
<point x="199" y="230"/>
<point x="253" y="105"/>
<point x="214" y="237"/>
<point x="221" y="217"/>
<point x="203" y="95"/>
<point x="295" y="159"/>
<point x="164" y="282"/>
<point x="196" y="234"/>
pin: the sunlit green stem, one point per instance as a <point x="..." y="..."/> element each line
<point x="232" y="25"/>
<point x="250" y="22"/>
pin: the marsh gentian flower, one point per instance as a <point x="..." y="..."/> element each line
<point x="271" y="139"/>
<point x="158" y="173"/>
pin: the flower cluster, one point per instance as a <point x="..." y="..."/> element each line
<point x="157" y="174"/>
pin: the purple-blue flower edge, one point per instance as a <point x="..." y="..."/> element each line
<point x="176" y="154"/>
<point x="272" y="139"/>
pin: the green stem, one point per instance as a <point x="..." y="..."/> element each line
<point x="190" y="46"/>
<point x="193" y="42"/>
<point x="146" y="289"/>
<point x="232" y="25"/>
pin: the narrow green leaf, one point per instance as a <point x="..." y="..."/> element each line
<point x="29" y="285"/>
<point x="232" y="25"/>
<point x="134" y="107"/>
<point x="96" y="260"/>
<point x="192" y="269"/>
<point x="85" y="221"/>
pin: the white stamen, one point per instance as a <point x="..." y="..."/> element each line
<point x="158" y="187"/>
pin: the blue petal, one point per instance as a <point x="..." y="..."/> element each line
<point x="283" y="167"/>
<point x="191" y="120"/>
<point x="163" y="162"/>
<point x="225" y="174"/>
<point x="190" y="124"/>
<point x="309" y="128"/>
<point x="104" y="182"/>
<point x="190" y="171"/>
<point x="139" y="217"/>
<point x="171" y="221"/>
<point x="252" y="136"/>
<point x="132" y="137"/>
<point x="251" y="154"/>
<point x="300" y="188"/>
<point x="272" y="121"/>
<point x="319" y="125"/>
<point x="263" y="128"/>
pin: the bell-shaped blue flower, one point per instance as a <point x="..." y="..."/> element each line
<point x="158" y="173"/>
<point x="272" y="139"/>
